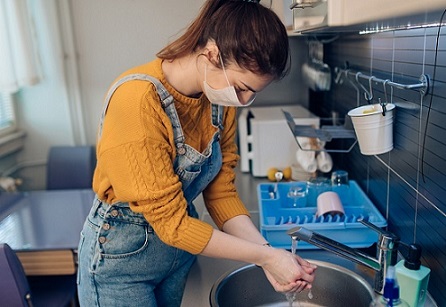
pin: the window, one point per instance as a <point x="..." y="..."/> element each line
<point x="18" y="59"/>
<point x="7" y="115"/>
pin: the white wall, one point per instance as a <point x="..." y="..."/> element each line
<point x="114" y="35"/>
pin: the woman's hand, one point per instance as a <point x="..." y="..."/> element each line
<point x="288" y="272"/>
<point x="241" y="241"/>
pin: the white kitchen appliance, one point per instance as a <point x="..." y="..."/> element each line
<point x="265" y="139"/>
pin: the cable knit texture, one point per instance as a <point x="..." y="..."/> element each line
<point x="136" y="153"/>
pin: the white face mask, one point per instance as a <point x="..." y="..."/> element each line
<point x="226" y="96"/>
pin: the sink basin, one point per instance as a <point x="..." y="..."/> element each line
<point x="333" y="286"/>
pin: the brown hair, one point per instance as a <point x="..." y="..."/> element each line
<point x="245" y="32"/>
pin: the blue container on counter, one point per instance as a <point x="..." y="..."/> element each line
<point x="282" y="206"/>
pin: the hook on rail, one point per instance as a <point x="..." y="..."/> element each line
<point x="368" y="93"/>
<point x="422" y="86"/>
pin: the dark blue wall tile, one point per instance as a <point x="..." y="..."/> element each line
<point x="408" y="185"/>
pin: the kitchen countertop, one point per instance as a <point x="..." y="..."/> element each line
<point x="206" y="271"/>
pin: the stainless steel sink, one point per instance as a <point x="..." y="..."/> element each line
<point x="333" y="286"/>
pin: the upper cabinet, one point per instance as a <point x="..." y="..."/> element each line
<point x="321" y="16"/>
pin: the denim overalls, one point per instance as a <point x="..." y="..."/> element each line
<point x="122" y="262"/>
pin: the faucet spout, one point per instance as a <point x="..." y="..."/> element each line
<point x="301" y="233"/>
<point x="386" y="250"/>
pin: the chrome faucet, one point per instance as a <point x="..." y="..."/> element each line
<point x="386" y="254"/>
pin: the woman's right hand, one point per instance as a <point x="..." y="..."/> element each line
<point x="288" y="272"/>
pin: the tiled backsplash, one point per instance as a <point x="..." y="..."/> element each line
<point x="408" y="185"/>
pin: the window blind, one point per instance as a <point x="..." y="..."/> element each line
<point x="7" y="115"/>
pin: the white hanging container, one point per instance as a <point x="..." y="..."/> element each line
<point x="373" y="128"/>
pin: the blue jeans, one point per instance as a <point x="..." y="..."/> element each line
<point x="122" y="262"/>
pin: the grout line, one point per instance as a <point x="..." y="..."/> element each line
<point x="413" y="188"/>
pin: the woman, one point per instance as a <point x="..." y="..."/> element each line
<point x="167" y="134"/>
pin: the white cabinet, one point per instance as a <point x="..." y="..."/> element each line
<point x="313" y="15"/>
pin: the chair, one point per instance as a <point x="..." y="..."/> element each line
<point x="14" y="287"/>
<point x="16" y="290"/>
<point x="70" y="167"/>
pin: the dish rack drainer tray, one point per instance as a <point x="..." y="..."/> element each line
<point x="277" y="216"/>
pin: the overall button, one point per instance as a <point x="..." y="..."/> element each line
<point x="181" y="151"/>
<point x="102" y="240"/>
<point x="106" y="226"/>
<point x="114" y="213"/>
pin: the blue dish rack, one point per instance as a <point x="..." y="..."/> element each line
<point x="277" y="216"/>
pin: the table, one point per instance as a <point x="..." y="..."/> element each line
<point x="43" y="227"/>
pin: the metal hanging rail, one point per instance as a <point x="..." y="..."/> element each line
<point x="422" y="86"/>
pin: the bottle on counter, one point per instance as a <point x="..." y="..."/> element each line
<point x="413" y="277"/>
<point x="391" y="296"/>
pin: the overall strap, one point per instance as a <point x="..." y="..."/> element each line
<point x="217" y="116"/>
<point x="166" y="101"/>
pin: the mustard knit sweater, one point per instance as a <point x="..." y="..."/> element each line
<point x="135" y="160"/>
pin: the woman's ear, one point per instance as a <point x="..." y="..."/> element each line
<point x="212" y="53"/>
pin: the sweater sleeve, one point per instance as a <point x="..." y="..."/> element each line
<point x="135" y="159"/>
<point x="221" y="197"/>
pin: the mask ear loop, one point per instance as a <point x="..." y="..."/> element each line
<point x="224" y="70"/>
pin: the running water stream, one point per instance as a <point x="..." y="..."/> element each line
<point x="291" y="296"/>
